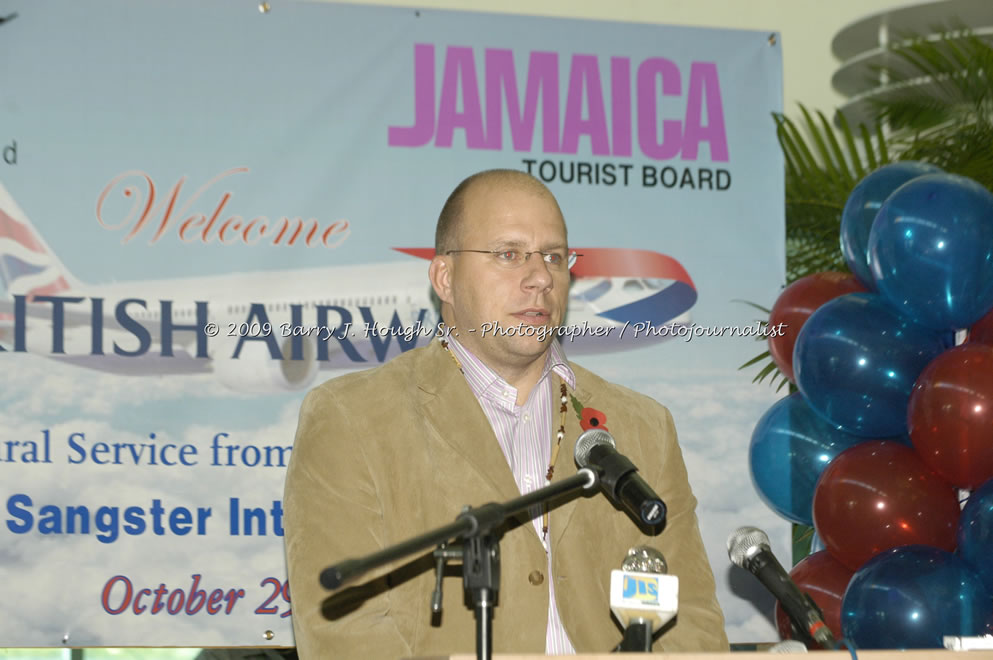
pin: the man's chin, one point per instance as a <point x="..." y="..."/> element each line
<point x="531" y="346"/>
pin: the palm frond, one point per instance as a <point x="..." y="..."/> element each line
<point x="758" y="358"/>
<point x="935" y="83"/>
<point x="765" y="310"/>
<point x="803" y="538"/>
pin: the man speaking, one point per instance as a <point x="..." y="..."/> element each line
<point x="480" y="416"/>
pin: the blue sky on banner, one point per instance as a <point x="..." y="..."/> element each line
<point x="288" y="115"/>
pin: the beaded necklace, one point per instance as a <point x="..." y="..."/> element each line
<point x="563" y="408"/>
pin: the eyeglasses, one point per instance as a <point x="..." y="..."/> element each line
<point x="517" y="258"/>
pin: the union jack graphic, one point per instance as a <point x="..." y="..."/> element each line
<point x="27" y="265"/>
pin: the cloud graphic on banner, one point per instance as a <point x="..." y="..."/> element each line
<point x="75" y="568"/>
<point x="38" y="386"/>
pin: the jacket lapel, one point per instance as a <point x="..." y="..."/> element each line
<point x="456" y="418"/>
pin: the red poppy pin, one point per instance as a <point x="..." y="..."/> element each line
<point x="589" y="418"/>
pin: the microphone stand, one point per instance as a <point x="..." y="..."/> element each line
<point x="637" y="638"/>
<point x="480" y="550"/>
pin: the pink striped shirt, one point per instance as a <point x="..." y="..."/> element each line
<point x="526" y="434"/>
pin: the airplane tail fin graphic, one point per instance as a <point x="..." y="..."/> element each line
<point x="27" y="265"/>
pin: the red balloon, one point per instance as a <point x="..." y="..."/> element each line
<point x="878" y="495"/>
<point x="981" y="331"/>
<point x="950" y="415"/>
<point x="795" y="305"/>
<point x="825" y="579"/>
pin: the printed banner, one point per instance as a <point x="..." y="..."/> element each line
<point x="207" y="209"/>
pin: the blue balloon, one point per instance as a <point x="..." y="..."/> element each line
<point x="975" y="534"/>
<point x="912" y="596"/>
<point x="931" y="250"/>
<point x="790" y="448"/>
<point x="862" y="206"/>
<point x="856" y="360"/>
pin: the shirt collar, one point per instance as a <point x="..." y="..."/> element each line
<point x="484" y="381"/>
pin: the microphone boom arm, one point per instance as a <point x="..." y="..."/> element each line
<point x="468" y="524"/>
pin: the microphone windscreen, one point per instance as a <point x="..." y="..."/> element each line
<point x="587" y="441"/>
<point x="788" y="646"/>
<point x="742" y="543"/>
<point x="644" y="559"/>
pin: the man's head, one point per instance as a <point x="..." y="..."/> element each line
<point x="503" y="211"/>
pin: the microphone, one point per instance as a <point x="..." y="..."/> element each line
<point x="618" y="477"/>
<point x="788" y="646"/>
<point x="749" y="548"/>
<point x="642" y="597"/>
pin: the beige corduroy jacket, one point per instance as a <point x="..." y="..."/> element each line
<point x="387" y="454"/>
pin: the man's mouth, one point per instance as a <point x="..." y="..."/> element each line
<point x="533" y="316"/>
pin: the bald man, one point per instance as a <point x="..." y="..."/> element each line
<point x="387" y="454"/>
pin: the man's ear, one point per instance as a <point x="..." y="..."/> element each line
<point x="440" y="274"/>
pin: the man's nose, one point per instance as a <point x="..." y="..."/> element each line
<point x="536" y="272"/>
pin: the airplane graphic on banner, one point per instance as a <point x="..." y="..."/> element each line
<point x="262" y="331"/>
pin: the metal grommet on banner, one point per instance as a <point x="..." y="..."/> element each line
<point x="65" y="638"/>
<point x="772" y="39"/>
<point x="264" y="7"/>
<point x="268" y="635"/>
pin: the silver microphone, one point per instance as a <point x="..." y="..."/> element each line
<point x="788" y="646"/>
<point x="749" y="548"/>
<point x="644" y="559"/>
<point x="643" y="603"/>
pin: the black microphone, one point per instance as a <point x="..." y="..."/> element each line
<point x="749" y="548"/>
<point x="618" y="477"/>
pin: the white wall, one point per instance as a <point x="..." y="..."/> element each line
<point x="806" y="28"/>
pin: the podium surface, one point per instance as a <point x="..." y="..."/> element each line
<point x="917" y="654"/>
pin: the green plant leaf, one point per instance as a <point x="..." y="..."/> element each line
<point x="764" y="310"/>
<point x="756" y="359"/>
<point x="803" y="537"/>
